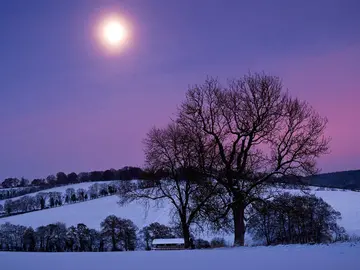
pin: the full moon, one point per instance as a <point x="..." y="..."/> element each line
<point x="114" y="33"/>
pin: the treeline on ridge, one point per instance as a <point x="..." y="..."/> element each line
<point x="44" y="200"/>
<point x="116" y="234"/>
<point x="14" y="187"/>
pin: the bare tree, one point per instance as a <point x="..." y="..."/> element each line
<point x="110" y="230"/>
<point x="29" y="239"/>
<point x="81" y="194"/>
<point x="127" y="234"/>
<point x="70" y="195"/>
<point x="94" y="191"/>
<point x="55" y="199"/>
<point x="8" y="207"/>
<point x="41" y="198"/>
<point x="119" y="233"/>
<point x="153" y="231"/>
<point x="26" y="203"/>
<point x="260" y="133"/>
<point x="171" y="150"/>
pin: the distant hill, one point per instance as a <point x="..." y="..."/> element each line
<point x="344" y="179"/>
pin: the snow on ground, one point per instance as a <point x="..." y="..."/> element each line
<point x="322" y="257"/>
<point x="93" y="212"/>
<point x="348" y="204"/>
<point x="61" y="189"/>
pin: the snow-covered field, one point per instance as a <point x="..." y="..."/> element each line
<point x="93" y="212"/>
<point x="295" y="257"/>
<point x="348" y="204"/>
<point x="332" y="257"/>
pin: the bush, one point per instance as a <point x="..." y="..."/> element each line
<point x="218" y="242"/>
<point x="293" y="219"/>
<point x="201" y="244"/>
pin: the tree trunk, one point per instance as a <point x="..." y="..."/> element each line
<point x="239" y="225"/>
<point x="186" y="234"/>
<point x="113" y="241"/>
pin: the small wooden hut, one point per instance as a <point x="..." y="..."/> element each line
<point x="168" y="244"/>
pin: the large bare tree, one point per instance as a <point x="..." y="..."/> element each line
<point x="260" y="133"/>
<point x="179" y="157"/>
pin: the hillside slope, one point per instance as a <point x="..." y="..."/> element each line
<point x="93" y="212"/>
<point x="61" y="189"/>
<point x="348" y="204"/>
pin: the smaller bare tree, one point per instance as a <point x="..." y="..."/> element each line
<point x="171" y="150"/>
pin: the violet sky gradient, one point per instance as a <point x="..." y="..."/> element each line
<point x="67" y="106"/>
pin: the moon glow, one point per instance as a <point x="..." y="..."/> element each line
<point x="113" y="33"/>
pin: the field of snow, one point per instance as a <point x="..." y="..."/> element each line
<point x="295" y="257"/>
<point x="348" y="204"/>
<point x="93" y="212"/>
<point x="61" y="189"/>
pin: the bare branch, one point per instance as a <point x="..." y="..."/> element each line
<point x="259" y="133"/>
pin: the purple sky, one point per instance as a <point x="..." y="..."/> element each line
<point x="67" y="106"/>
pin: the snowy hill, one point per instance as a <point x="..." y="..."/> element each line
<point x="62" y="189"/>
<point x="348" y="204"/>
<point x="90" y="213"/>
<point x="93" y="212"/>
<point x="319" y="257"/>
